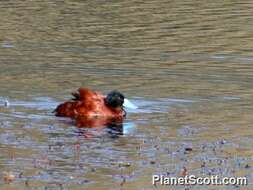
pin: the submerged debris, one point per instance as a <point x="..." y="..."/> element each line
<point x="6" y="103"/>
<point x="8" y="177"/>
<point x="26" y="183"/>
<point x="184" y="172"/>
<point x="203" y="165"/>
<point x="187" y="150"/>
<point x="152" y="162"/>
<point x="124" y="164"/>
<point x="123" y="182"/>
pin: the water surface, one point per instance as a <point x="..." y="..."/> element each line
<point x="186" y="64"/>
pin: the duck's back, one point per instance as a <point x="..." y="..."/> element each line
<point x="85" y="102"/>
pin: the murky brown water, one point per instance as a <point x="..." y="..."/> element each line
<point x="186" y="64"/>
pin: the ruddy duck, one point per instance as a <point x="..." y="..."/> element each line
<point x="87" y="103"/>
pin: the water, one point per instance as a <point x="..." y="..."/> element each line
<point x="186" y="64"/>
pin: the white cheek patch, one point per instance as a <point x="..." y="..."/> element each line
<point x="128" y="104"/>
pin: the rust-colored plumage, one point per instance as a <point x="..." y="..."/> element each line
<point x="86" y="103"/>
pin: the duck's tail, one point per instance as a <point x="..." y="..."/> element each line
<point x="66" y="109"/>
<point x="76" y="96"/>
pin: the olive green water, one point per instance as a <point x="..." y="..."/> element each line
<point x="186" y="64"/>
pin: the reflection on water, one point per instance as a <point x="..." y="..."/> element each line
<point x="186" y="64"/>
<point x="113" y="129"/>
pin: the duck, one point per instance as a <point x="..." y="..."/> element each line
<point x="91" y="104"/>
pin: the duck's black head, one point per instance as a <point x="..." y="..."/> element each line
<point x="115" y="99"/>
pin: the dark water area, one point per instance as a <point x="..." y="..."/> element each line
<point x="186" y="64"/>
